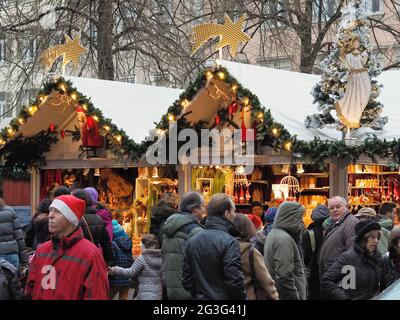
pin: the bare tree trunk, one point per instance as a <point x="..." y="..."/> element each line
<point x="105" y="40"/>
<point x="305" y="29"/>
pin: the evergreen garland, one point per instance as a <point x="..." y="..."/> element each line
<point x="19" y="154"/>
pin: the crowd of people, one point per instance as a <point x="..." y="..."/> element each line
<point x="74" y="250"/>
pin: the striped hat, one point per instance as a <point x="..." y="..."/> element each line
<point x="70" y="207"/>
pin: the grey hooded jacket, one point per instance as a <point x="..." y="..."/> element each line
<point x="282" y="253"/>
<point x="148" y="267"/>
<point x="11" y="236"/>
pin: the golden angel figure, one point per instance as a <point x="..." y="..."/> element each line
<point x="358" y="89"/>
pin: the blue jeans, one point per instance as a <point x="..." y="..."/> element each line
<point x="12" y="258"/>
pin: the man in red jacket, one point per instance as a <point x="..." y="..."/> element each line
<point x="68" y="267"/>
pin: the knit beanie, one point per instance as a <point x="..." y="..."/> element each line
<point x="270" y="215"/>
<point x="94" y="195"/>
<point x="255" y="220"/>
<point x="320" y="213"/>
<point x="118" y="231"/>
<point x="70" y="207"/>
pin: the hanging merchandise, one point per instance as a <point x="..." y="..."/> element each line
<point x="248" y="196"/>
<point x="241" y="194"/>
<point x="236" y="194"/>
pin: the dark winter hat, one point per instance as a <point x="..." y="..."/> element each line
<point x="43" y="206"/>
<point x="60" y="191"/>
<point x="257" y="204"/>
<point x="320" y="213"/>
<point x="365" y="226"/>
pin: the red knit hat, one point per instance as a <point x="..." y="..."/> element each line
<point x="70" y="207"/>
<point x="256" y="220"/>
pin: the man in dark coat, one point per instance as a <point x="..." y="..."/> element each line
<point x="212" y="268"/>
<point x="176" y="231"/>
<point x="339" y="236"/>
<point x="357" y="273"/>
<point x="311" y="243"/>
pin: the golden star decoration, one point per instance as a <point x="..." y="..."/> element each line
<point x="71" y="51"/>
<point x="231" y="34"/>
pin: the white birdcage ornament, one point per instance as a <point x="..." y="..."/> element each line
<point x="292" y="183"/>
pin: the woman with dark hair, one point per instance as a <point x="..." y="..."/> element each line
<point x="257" y="208"/>
<point x="39" y="229"/>
<point x="94" y="228"/>
<point x="391" y="260"/>
<point x="258" y="281"/>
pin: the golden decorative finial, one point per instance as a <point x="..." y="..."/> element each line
<point x="231" y="34"/>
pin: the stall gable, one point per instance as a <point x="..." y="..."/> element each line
<point x="217" y="100"/>
<point x="48" y="119"/>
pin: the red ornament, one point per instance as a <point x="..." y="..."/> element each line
<point x="217" y="119"/>
<point x="233" y="108"/>
<point x="52" y="127"/>
<point x="63" y="134"/>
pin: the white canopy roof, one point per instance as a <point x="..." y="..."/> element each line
<point x="288" y="95"/>
<point x="131" y="107"/>
<point x="135" y="107"/>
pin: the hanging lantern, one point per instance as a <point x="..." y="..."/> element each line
<point x="217" y="119"/>
<point x="63" y="134"/>
<point x="52" y="127"/>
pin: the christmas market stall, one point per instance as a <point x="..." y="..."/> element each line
<point x="63" y="138"/>
<point x="217" y="100"/>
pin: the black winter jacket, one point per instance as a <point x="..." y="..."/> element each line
<point x="311" y="258"/>
<point x="389" y="272"/>
<point x="212" y="268"/>
<point x="99" y="234"/>
<point x="11" y="235"/>
<point x="368" y="273"/>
